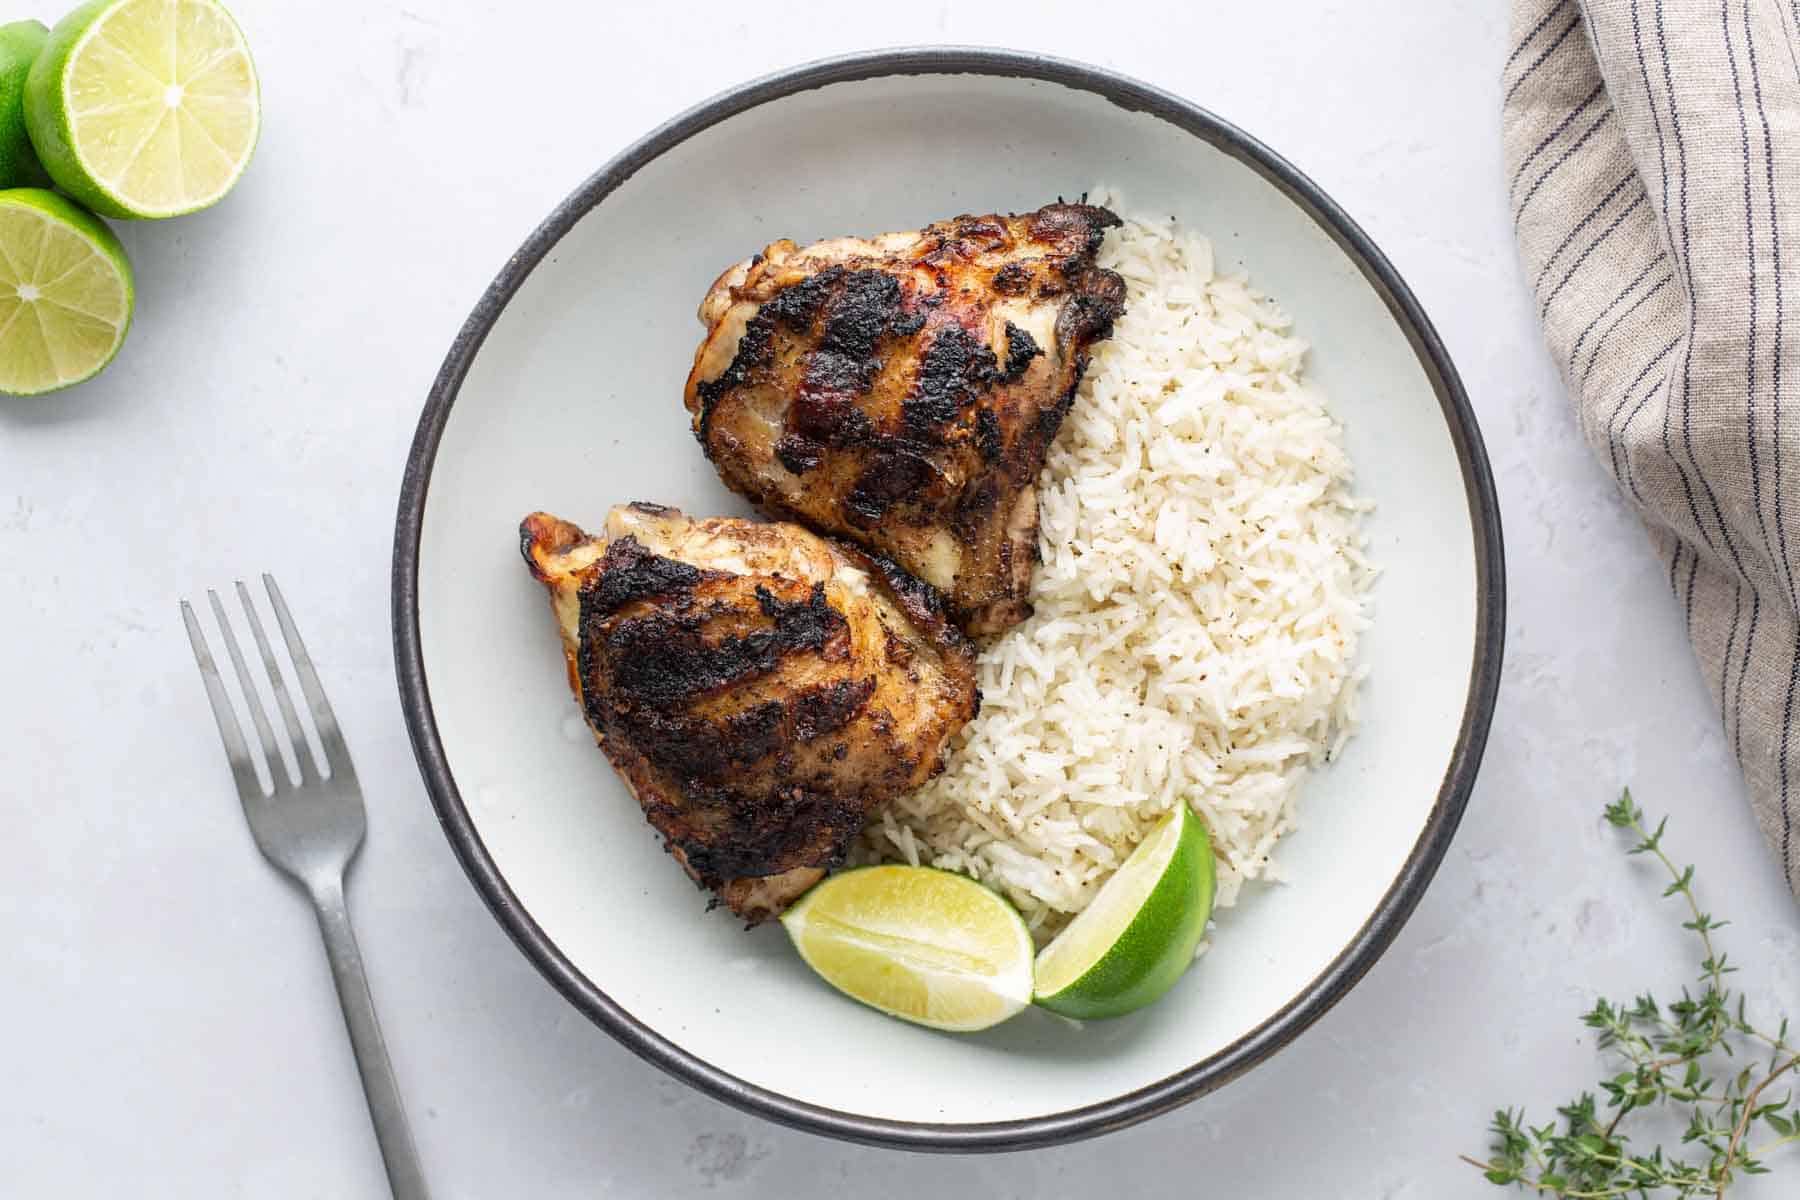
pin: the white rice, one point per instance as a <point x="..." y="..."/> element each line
<point x="1197" y="608"/>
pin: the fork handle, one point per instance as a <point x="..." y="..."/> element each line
<point x="405" y="1177"/>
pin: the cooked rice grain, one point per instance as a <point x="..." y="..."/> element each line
<point x="1197" y="608"/>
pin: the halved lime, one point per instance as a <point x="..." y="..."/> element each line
<point x="144" y="108"/>
<point x="920" y="944"/>
<point x="20" y="44"/>
<point x="1139" y="932"/>
<point x="65" y="293"/>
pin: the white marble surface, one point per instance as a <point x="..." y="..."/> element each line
<point x="171" y="1029"/>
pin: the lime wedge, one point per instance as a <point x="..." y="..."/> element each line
<point x="1139" y="932"/>
<point x="20" y="44"/>
<point x="65" y="293"/>
<point x="923" y="945"/>
<point x="144" y="108"/>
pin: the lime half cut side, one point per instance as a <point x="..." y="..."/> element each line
<point x="924" y="945"/>
<point x="145" y="108"/>
<point x="65" y="293"/>
<point x="1139" y="933"/>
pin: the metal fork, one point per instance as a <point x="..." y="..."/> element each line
<point x="311" y="829"/>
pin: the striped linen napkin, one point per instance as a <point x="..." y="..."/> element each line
<point x="1653" y="153"/>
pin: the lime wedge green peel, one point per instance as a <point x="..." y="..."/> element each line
<point x="65" y="293"/>
<point x="20" y="44"/>
<point x="144" y="108"/>
<point x="924" y="945"/>
<point x="1139" y="933"/>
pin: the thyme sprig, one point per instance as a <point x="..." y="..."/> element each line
<point x="1698" y="1058"/>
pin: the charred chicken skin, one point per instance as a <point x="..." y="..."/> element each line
<point x="761" y="690"/>
<point x="903" y="391"/>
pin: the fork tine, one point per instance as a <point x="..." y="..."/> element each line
<point x="336" y="753"/>
<point x="278" y="776"/>
<point x="303" y="757"/>
<point x="237" y="751"/>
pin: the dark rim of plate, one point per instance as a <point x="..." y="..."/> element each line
<point x="1160" y="1097"/>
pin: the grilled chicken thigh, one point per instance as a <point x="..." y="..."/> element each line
<point x="761" y="690"/>
<point x="903" y="391"/>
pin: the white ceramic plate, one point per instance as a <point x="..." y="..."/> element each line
<point x="563" y="393"/>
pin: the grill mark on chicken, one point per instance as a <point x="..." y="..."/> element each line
<point x="907" y="324"/>
<point x="761" y="690"/>
<point x="664" y="658"/>
<point x="903" y="392"/>
<point x="1012" y="280"/>
<point x="954" y="370"/>
<point x="977" y="508"/>
<point x="742" y="839"/>
<point x="797" y="453"/>
<point x="825" y="710"/>
<point x="753" y="351"/>
<point x="797" y="305"/>
<point x="633" y="573"/>
<point x="859" y="313"/>
<point x="987" y="436"/>
<point x="895" y="473"/>
<point x="854" y="310"/>
<point x="1021" y="348"/>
